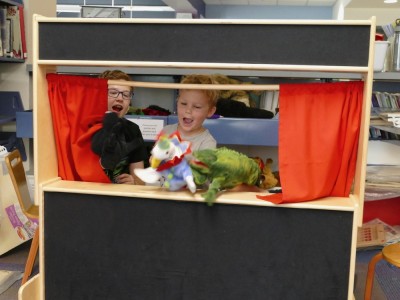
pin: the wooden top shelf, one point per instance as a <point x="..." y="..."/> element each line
<point x="151" y="192"/>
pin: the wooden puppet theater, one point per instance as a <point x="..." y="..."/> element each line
<point x="107" y="241"/>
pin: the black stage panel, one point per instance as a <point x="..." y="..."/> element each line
<point x="110" y="247"/>
<point x="330" y="45"/>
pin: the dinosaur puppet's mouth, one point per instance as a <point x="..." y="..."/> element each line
<point x="198" y="163"/>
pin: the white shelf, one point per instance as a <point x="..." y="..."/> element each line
<point x="183" y="71"/>
<point x="389" y="76"/>
<point x="390" y="129"/>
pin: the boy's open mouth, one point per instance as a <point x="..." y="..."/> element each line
<point x="117" y="108"/>
<point x="187" y="121"/>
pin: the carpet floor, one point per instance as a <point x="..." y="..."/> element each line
<point x="362" y="259"/>
<point x="14" y="260"/>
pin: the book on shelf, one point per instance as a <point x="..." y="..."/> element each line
<point x="8" y="37"/>
<point x="22" y="28"/>
<point x="384" y="106"/>
<point x="3" y="13"/>
<point x="13" y="14"/>
<point x="1" y="46"/>
<point x="386" y="100"/>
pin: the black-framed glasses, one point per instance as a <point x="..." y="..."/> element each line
<point x="126" y="95"/>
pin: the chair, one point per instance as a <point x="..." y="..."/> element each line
<point x="17" y="173"/>
<point x="391" y="254"/>
<point x="30" y="291"/>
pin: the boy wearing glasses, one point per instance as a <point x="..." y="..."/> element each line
<point x="119" y="143"/>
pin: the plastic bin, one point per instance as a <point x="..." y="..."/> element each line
<point x="380" y="55"/>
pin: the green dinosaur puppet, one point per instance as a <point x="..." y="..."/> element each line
<point x="224" y="168"/>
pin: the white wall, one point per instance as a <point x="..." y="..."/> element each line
<point x="338" y="9"/>
<point x="337" y="12"/>
<point x="267" y="12"/>
<point x="383" y="16"/>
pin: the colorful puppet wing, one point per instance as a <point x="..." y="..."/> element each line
<point x="176" y="160"/>
<point x="168" y="161"/>
<point x="319" y="126"/>
<point x="182" y="147"/>
<point x="76" y="103"/>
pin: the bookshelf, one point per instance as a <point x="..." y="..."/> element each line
<point x="12" y="2"/>
<point x="381" y="197"/>
<point x="385" y="83"/>
<point x="12" y="33"/>
<point x="190" y="235"/>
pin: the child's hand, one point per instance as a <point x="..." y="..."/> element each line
<point x="125" y="179"/>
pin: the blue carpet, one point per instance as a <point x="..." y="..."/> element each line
<point x="12" y="266"/>
<point x="364" y="256"/>
<point x="387" y="275"/>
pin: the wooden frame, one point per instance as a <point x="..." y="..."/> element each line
<point x="326" y="50"/>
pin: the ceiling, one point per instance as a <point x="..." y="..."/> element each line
<point x="73" y="6"/>
<point x="372" y="4"/>
<point x="352" y="4"/>
<point x="272" y="2"/>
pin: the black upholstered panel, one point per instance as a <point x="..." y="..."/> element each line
<point x="331" y="45"/>
<point x="108" y="247"/>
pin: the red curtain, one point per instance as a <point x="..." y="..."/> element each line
<point x="77" y="105"/>
<point x="319" y="127"/>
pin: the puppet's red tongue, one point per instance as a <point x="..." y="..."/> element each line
<point x="198" y="163"/>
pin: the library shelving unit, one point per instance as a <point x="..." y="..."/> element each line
<point x="103" y="241"/>
<point x="387" y="82"/>
<point x="6" y="59"/>
<point x="383" y="149"/>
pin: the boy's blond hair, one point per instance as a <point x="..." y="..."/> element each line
<point x="115" y="75"/>
<point x="212" y="95"/>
